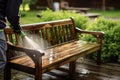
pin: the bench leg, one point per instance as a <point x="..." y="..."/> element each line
<point x="38" y="77"/>
<point x="99" y="53"/>
<point x="38" y="72"/>
<point x="7" y="73"/>
<point x="72" y="70"/>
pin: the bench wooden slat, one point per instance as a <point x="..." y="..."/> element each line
<point x="55" y="35"/>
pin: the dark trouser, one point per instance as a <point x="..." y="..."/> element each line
<point x="3" y="48"/>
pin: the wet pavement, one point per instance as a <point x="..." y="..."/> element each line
<point x="86" y="70"/>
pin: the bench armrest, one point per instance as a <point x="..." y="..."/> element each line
<point x="35" y="55"/>
<point x="97" y="34"/>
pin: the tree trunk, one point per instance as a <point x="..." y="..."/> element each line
<point x="103" y="5"/>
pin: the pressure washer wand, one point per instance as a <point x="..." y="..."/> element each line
<point x="17" y="30"/>
<point x="22" y="34"/>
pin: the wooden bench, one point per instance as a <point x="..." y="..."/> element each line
<point x="78" y="9"/>
<point x="91" y="15"/>
<point x="62" y="36"/>
<point x="83" y="11"/>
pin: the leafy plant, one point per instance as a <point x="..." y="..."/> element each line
<point x="49" y="15"/>
<point x="111" y="40"/>
<point x="29" y="2"/>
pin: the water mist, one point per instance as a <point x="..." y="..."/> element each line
<point x="29" y="43"/>
<point x="40" y="46"/>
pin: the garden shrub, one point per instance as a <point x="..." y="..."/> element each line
<point x="49" y="15"/>
<point x="111" y="39"/>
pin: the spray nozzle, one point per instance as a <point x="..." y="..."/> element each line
<point x="22" y="34"/>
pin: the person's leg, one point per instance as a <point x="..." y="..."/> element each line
<point x="3" y="48"/>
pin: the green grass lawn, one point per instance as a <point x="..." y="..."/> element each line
<point x="109" y="13"/>
<point x="29" y="17"/>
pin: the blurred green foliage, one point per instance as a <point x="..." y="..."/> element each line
<point x="27" y="2"/>
<point x="111" y="39"/>
<point x="49" y="15"/>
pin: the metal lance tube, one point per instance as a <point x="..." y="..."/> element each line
<point x="21" y="33"/>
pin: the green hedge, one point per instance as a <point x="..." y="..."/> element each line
<point x="111" y="40"/>
<point x="49" y="15"/>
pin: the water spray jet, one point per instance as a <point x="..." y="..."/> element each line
<point x="29" y="43"/>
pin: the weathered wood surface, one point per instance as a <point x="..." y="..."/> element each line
<point x="107" y="71"/>
<point x="78" y="9"/>
<point x="60" y="54"/>
<point x="91" y="15"/>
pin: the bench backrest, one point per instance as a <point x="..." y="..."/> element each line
<point x="52" y="32"/>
